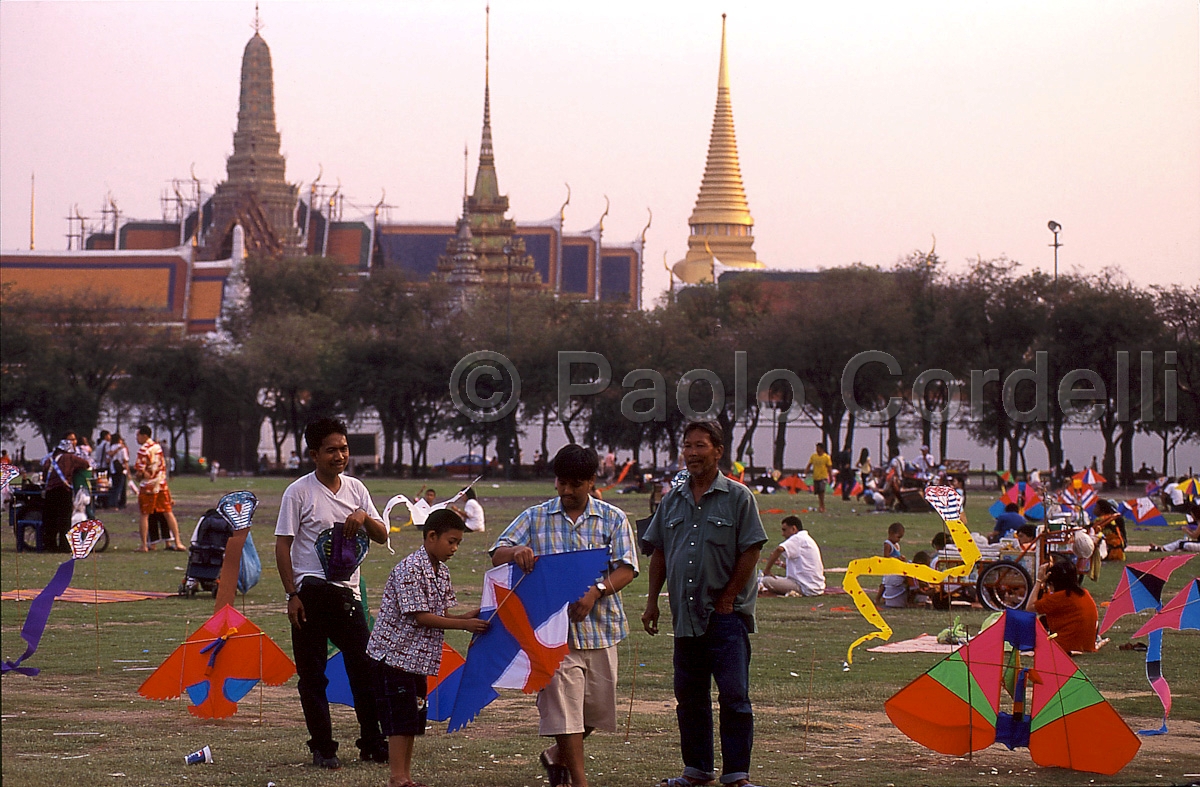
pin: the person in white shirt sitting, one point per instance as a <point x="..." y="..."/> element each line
<point x="804" y="571"/>
<point x="473" y="512"/>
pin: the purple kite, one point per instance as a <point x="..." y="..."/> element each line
<point x="1141" y="588"/>
<point x="82" y="538"/>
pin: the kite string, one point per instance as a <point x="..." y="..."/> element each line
<point x="96" y="605"/>
<point x="187" y="626"/>
<point x="632" y="689"/>
<point x="808" y="702"/>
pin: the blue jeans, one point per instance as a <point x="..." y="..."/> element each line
<point x="722" y="654"/>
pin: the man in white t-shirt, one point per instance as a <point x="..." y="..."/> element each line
<point x="805" y="573"/>
<point x="320" y="610"/>
<point x="1174" y="495"/>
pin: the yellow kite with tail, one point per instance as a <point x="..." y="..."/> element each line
<point x="948" y="502"/>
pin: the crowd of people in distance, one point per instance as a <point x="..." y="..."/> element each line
<point x="77" y="478"/>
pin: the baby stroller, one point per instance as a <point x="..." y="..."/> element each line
<point x="206" y="554"/>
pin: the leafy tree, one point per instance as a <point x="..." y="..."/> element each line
<point x="166" y="379"/>
<point x="63" y="355"/>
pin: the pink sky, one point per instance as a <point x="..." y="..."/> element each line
<point x="864" y="128"/>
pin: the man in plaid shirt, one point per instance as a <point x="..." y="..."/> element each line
<point x="582" y="696"/>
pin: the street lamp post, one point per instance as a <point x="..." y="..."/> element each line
<point x="1056" y="228"/>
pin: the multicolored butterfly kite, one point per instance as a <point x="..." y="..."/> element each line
<point x="955" y="708"/>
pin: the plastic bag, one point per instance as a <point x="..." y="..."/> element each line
<point x="250" y="571"/>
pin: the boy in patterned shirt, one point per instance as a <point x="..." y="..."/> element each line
<point x="407" y="640"/>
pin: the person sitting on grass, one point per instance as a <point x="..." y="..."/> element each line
<point x="1191" y="530"/>
<point x="1066" y="609"/>
<point x="1111" y="525"/>
<point x="1007" y="522"/>
<point x="406" y="644"/>
<point x="804" y="572"/>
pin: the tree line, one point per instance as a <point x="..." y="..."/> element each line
<point x="314" y="341"/>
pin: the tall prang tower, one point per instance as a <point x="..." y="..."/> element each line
<point x="722" y="230"/>
<point x="255" y="193"/>
<point x="500" y="257"/>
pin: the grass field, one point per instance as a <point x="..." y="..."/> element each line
<point x="81" y="722"/>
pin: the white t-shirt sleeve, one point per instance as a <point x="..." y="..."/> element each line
<point x="363" y="497"/>
<point x="288" y="521"/>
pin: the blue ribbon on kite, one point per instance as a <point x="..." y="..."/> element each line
<point x="215" y="646"/>
<point x="39" y="613"/>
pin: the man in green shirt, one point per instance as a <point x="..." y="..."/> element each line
<point x="707" y="536"/>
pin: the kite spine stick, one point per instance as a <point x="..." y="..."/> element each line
<point x="512" y="592"/>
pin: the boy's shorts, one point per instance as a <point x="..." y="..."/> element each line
<point x="399" y="701"/>
<point x="155" y="502"/>
<point x="583" y="693"/>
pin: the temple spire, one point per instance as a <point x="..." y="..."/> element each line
<point x="721" y="225"/>
<point x="487" y="186"/>
<point x="255" y="193"/>
<point x="722" y="198"/>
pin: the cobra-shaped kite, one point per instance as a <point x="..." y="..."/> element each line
<point x="948" y="502"/>
<point x="82" y="538"/>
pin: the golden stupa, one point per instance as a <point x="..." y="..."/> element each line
<point x="722" y="230"/>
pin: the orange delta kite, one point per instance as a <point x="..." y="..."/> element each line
<point x="218" y="665"/>
<point x="948" y="502"/>
<point x="955" y="707"/>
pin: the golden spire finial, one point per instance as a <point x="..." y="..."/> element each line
<point x="721" y="225"/>
<point x="722" y="198"/>
<point x="723" y="73"/>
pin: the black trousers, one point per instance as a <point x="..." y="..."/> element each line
<point x="333" y="615"/>
<point x="56" y="518"/>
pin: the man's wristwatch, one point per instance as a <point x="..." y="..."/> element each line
<point x="603" y="588"/>
<point x="291" y="596"/>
